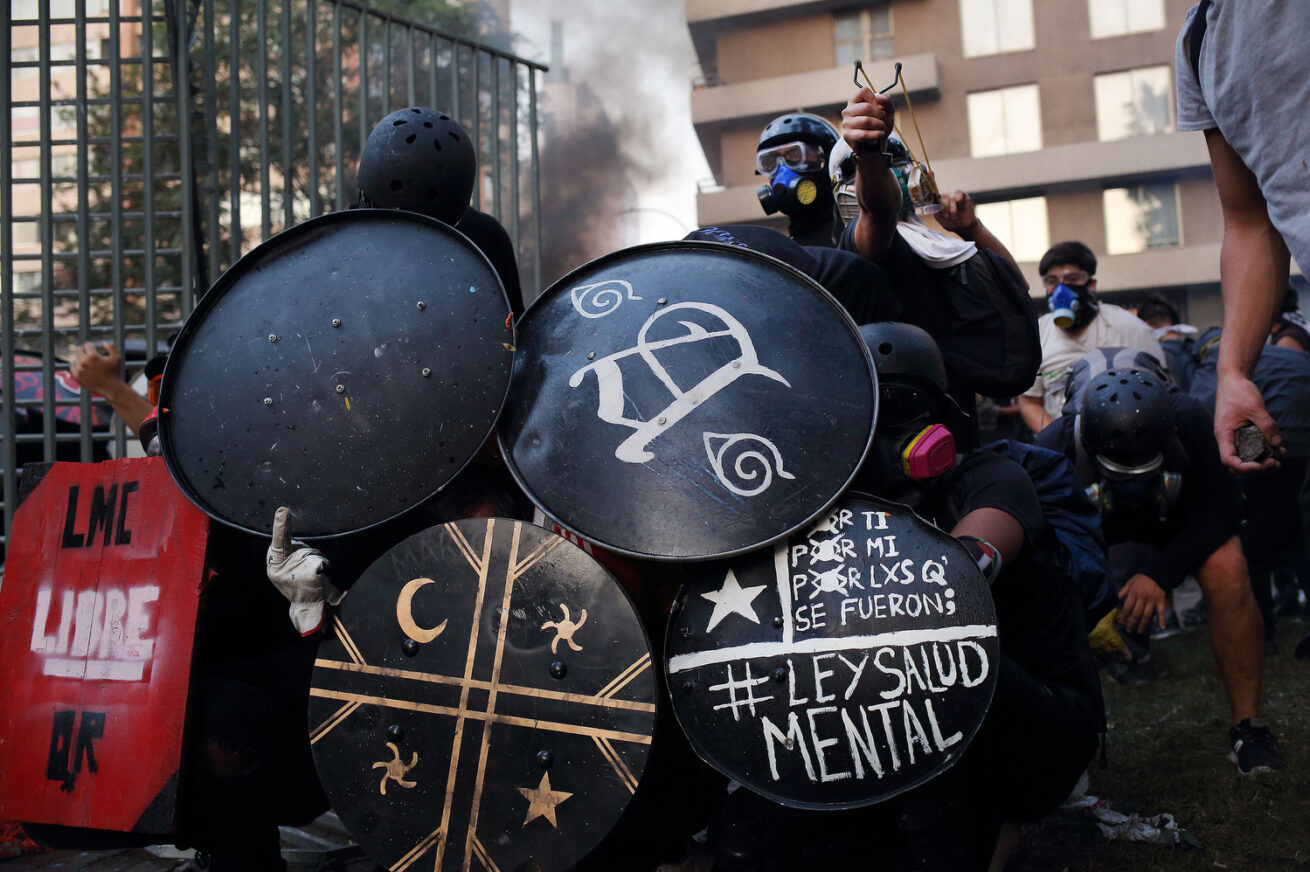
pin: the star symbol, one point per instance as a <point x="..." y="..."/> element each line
<point x="732" y="598"/>
<point x="542" y="801"/>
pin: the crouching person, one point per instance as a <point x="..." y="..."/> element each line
<point x="1042" y="728"/>
<point x="1147" y="453"/>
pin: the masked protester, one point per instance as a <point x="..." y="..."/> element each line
<point x="1041" y="730"/>
<point x="964" y="289"/>
<point x="423" y="160"/>
<point x="793" y="154"/>
<point x="1078" y="322"/>
<point x="1147" y="454"/>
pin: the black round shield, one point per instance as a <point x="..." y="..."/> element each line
<point x="687" y="400"/>
<point x="845" y="665"/>
<point x="485" y="695"/>
<point x="348" y="368"/>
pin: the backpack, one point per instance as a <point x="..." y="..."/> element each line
<point x="991" y="335"/>
<point x="1072" y="516"/>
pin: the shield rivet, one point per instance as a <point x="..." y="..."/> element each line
<point x="422" y="305"/>
<point x="591" y="355"/>
<point x="777" y="622"/>
<point x="410" y="647"/>
<point x="272" y="337"/>
<point x="268" y="401"/>
<point x="426" y="372"/>
<point x="341" y="389"/>
<point x="736" y="364"/>
<point x="336" y="322"/>
<point x="688" y="686"/>
<point x="395" y="733"/>
<point x="545" y="759"/>
<point x="661" y="301"/>
<point x="662" y="420"/>
<point x="558" y="669"/>
<point x="779" y="674"/>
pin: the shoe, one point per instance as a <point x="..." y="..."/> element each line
<point x="1303" y="648"/>
<point x="1139" y="646"/>
<point x="1129" y="674"/>
<point x="1171" y="626"/>
<point x="1291" y="603"/>
<point x="1197" y="615"/>
<point x="1254" y="748"/>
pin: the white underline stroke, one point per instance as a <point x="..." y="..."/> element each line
<point x="757" y="650"/>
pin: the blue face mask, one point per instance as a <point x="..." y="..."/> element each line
<point x="1072" y="305"/>
<point x="792" y="193"/>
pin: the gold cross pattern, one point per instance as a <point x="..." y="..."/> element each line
<point x="512" y="665"/>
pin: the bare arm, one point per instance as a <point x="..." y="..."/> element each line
<point x="958" y="217"/>
<point x="1253" y="265"/>
<point x="999" y="528"/>
<point x="867" y="120"/>
<point x="1033" y="413"/>
<point x="100" y="373"/>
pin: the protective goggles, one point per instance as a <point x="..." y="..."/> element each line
<point x="800" y="156"/>
<point x="900" y="405"/>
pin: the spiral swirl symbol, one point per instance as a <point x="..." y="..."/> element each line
<point x="601" y="298"/>
<point x="751" y="471"/>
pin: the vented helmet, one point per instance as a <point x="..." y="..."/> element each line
<point x="1126" y="421"/>
<point x="420" y="160"/>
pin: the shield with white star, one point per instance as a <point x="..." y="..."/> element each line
<point x="687" y="401"/>
<point x="849" y="663"/>
<point x="484" y="699"/>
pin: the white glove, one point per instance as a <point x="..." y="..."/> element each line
<point x="300" y="575"/>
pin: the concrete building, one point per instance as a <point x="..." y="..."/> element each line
<point x="1059" y="117"/>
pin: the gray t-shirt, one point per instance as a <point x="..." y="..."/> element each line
<point x="1255" y="87"/>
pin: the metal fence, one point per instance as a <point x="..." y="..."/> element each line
<point x="131" y="181"/>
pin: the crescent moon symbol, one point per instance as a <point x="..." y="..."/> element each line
<point x="405" y="614"/>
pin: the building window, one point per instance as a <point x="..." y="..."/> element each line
<point x="865" y="34"/>
<point x="25" y="55"/>
<point x="1121" y="17"/>
<point x="26" y="282"/>
<point x="1019" y="224"/>
<point x="1005" y="121"/>
<point x="30" y="9"/>
<point x="1133" y="103"/>
<point x="993" y="26"/>
<point x="24" y="118"/>
<point x="26" y="233"/>
<point x="1140" y="217"/>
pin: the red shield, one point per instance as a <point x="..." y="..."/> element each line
<point x="99" y="608"/>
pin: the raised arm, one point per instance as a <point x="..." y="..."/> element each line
<point x="867" y="120"/>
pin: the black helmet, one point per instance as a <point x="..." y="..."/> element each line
<point x="799" y="126"/>
<point x="1097" y="361"/>
<point x="420" y="160"/>
<point x="1126" y="420"/>
<point x="903" y="351"/>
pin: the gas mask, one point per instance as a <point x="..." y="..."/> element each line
<point x="1148" y="491"/>
<point x="910" y="445"/>
<point x="1073" y="306"/>
<point x="797" y="186"/>
<point x="789" y="192"/>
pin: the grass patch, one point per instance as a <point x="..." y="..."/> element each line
<point x="1168" y="752"/>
